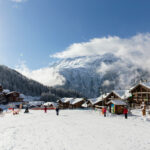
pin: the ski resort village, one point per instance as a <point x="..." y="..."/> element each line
<point x="74" y="74"/>
<point x="116" y="120"/>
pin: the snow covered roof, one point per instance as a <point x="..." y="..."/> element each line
<point x="117" y="102"/>
<point x="50" y="103"/>
<point x="122" y="93"/>
<point x="85" y="105"/>
<point x="98" y="99"/>
<point x="95" y="100"/>
<point x="76" y="100"/>
<point x="66" y="100"/>
<point x="6" y="91"/>
<point x="12" y="92"/>
<point x="146" y="84"/>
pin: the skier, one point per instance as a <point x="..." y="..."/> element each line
<point x="104" y="111"/>
<point x="57" y="111"/>
<point x="26" y="110"/>
<point x="125" y="111"/>
<point x="45" y="109"/>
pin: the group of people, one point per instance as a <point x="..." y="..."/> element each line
<point x="57" y="110"/>
<point x="125" y="112"/>
<point x="45" y="110"/>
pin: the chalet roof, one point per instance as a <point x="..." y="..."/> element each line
<point x="12" y="92"/>
<point x="76" y="100"/>
<point x="122" y="93"/>
<point x="145" y="84"/>
<point x="6" y="91"/>
<point x="117" y="102"/>
<point x="85" y="105"/>
<point x="66" y="100"/>
<point x="98" y="99"/>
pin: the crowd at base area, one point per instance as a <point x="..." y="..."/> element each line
<point x="16" y="112"/>
<point x="125" y="112"/>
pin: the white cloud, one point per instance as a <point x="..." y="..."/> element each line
<point x="47" y="76"/>
<point x="135" y="49"/>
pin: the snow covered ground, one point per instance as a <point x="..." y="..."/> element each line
<point x="73" y="130"/>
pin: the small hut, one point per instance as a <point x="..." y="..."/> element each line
<point x="50" y="105"/>
<point x="116" y="106"/>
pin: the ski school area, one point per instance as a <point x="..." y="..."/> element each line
<point x="74" y="129"/>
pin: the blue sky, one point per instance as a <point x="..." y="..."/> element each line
<point x="31" y="30"/>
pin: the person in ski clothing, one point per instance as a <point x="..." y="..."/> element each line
<point x="57" y="111"/>
<point x="125" y="111"/>
<point x="45" y="109"/>
<point x="26" y="110"/>
<point x="104" y="111"/>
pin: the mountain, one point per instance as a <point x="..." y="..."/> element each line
<point x="92" y="75"/>
<point x="14" y="81"/>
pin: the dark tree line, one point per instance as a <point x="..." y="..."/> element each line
<point x="55" y="93"/>
<point x="14" y="81"/>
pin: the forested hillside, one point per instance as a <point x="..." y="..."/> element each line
<point x="14" y="81"/>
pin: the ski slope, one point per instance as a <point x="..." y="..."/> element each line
<point x="73" y="130"/>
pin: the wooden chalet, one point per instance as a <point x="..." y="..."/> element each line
<point x="76" y="103"/>
<point x="116" y="106"/>
<point x="14" y="97"/>
<point x="64" y="102"/>
<point x="118" y="95"/>
<point x="140" y="93"/>
<point x="110" y="96"/>
<point x="99" y="101"/>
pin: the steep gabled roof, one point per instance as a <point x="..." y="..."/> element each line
<point x="98" y="99"/>
<point x="145" y="84"/>
<point x="76" y="100"/>
<point x="66" y="99"/>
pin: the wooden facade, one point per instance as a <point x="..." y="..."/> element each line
<point x="77" y="105"/>
<point x="140" y="93"/>
<point x="14" y="97"/>
<point x="116" y="106"/>
<point x="63" y="105"/>
<point x="111" y="96"/>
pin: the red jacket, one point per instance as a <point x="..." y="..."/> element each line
<point x="104" y="110"/>
<point x="125" y="111"/>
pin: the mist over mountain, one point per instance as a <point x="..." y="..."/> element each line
<point x="98" y="65"/>
<point x="93" y="75"/>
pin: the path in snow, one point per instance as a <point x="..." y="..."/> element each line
<point x="73" y="130"/>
